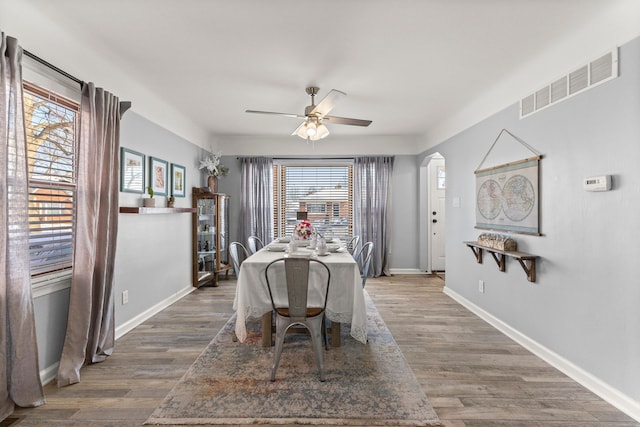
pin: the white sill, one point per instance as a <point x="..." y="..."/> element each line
<point x="49" y="283"/>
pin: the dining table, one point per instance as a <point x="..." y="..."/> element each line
<point x="345" y="300"/>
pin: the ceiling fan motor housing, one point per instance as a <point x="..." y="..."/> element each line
<point x="312" y="90"/>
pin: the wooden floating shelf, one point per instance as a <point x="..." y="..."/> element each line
<point x="526" y="261"/>
<point x="147" y="211"/>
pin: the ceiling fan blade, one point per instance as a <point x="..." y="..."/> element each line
<point x="346" y="121"/>
<point x="297" y="116"/>
<point x="327" y="103"/>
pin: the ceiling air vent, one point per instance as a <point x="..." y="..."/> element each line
<point x="527" y="105"/>
<point x="585" y="77"/>
<point x="542" y="97"/>
<point x="578" y="80"/>
<point x="559" y="89"/>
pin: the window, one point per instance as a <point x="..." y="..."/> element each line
<point x="322" y="189"/>
<point x="51" y="124"/>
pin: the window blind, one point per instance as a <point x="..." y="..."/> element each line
<point x="51" y="128"/>
<point x="322" y="192"/>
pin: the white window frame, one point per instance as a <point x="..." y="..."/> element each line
<point x="280" y="221"/>
<point x="40" y="75"/>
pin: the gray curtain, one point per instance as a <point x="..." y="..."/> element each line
<point x="256" y="200"/>
<point x="19" y="371"/>
<point x="90" y="324"/>
<point x="371" y="202"/>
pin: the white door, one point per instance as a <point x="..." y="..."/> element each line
<point x="436" y="213"/>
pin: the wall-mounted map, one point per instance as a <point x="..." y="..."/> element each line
<point x="507" y="197"/>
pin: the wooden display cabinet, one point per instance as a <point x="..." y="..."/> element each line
<point x="210" y="237"/>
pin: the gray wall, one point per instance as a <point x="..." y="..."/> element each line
<point x="153" y="257"/>
<point x="584" y="305"/>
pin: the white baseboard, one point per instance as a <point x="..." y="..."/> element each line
<point x="612" y="395"/>
<point x="49" y="373"/>
<point x="147" y="314"/>
<point x="406" y="271"/>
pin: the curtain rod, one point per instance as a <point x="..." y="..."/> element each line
<point x="123" y="105"/>
<point x="53" y="67"/>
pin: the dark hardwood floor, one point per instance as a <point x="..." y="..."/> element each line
<point x="472" y="374"/>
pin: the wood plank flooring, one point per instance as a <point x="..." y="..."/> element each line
<point x="472" y="374"/>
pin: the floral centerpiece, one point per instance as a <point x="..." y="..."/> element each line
<point x="212" y="164"/>
<point x="304" y="230"/>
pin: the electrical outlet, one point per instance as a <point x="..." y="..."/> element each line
<point x="125" y="297"/>
<point x="481" y="286"/>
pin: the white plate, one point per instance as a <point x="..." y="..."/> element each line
<point x="333" y="248"/>
<point x="284" y="239"/>
<point x="324" y="254"/>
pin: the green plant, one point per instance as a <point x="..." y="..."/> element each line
<point x="150" y="191"/>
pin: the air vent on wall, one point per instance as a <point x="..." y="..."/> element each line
<point x="585" y="77"/>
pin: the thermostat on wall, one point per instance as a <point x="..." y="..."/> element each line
<point x="598" y="183"/>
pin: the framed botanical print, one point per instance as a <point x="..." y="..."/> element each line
<point x="158" y="176"/>
<point x="131" y="171"/>
<point x="178" y="177"/>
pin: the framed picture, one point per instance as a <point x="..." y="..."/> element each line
<point x="507" y="197"/>
<point x="158" y="176"/>
<point x="131" y="171"/>
<point x="178" y="180"/>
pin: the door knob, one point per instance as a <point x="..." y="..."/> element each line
<point x="434" y="221"/>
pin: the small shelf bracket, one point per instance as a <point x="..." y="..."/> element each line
<point x="477" y="251"/>
<point x="499" y="259"/>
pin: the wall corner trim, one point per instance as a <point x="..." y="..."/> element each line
<point x="610" y="394"/>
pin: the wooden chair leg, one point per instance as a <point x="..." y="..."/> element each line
<point x="335" y="334"/>
<point x="267" y="330"/>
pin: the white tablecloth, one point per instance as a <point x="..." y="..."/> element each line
<point x="345" y="303"/>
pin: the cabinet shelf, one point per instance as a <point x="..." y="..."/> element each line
<point x="147" y="211"/>
<point x="526" y="261"/>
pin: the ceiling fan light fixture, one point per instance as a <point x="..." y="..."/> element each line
<point x="322" y="131"/>
<point x="311" y="128"/>
<point x="302" y="131"/>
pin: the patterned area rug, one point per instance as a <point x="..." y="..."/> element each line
<point x="366" y="385"/>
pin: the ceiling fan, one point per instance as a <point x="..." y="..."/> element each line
<point x="313" y="127"/>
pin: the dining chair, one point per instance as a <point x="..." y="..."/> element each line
<point x="363" y="259"/>
<point x="352" y="245"/>
<point x="255" y="244"/>
<point x="238" y="254"/>
<point x="296" y="308"/>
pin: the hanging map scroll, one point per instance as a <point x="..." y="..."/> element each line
<point x="507" y="197"/>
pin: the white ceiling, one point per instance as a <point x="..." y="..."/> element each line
<point x="410" y="66"/>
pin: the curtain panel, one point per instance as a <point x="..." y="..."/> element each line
<point x="256" y="200"/>
<point x="90" y="332"/>
<point x="371" y="207"/>
<point x="19" y="371"/>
